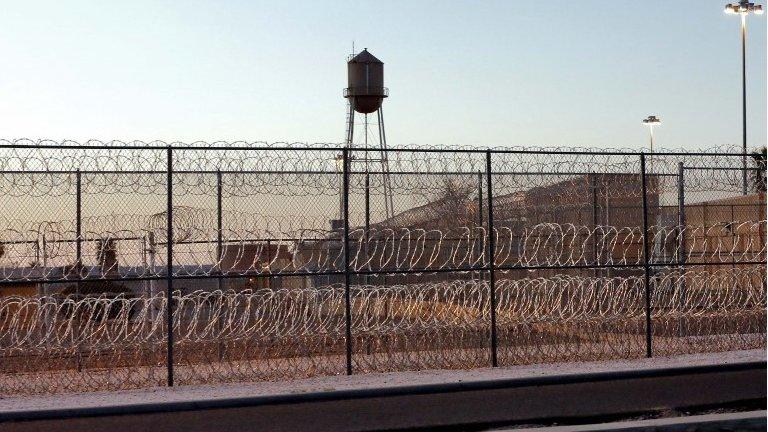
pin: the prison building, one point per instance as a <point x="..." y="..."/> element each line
<point x="590" y="202"/>
<point x="720" y="231"/>
<point x="260" y="260"/>
<point x="584" y="202"/>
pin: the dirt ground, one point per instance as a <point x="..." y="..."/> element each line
<point x="375" y="380"/>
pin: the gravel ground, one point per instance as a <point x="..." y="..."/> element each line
<point x="381" y="380"/>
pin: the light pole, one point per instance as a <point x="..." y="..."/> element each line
<point x="651" y="121"/>
<point x="744" y="8"/>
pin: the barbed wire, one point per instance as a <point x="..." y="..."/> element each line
<point x="53" y="328"/>
<point x="281" y="169"/>
<point x="241" y="144"/>
<point x="86" y="226"/>
<point x="253" y="249"/>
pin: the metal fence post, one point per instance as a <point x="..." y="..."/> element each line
<point x="681" y="255"/>
<point x="219" y="256"/>
<point x="593" y="187"/>
<point x="646" y="266"/>
<point x="169" y="267"/>
<point x="367" y="222"/>
<point x="270" y="279"/>
<point x="347" y="294"/>
<point x="44" y="244"/>
<point x="491" y="262"/>
<point x="78" y="229"/>
<point x="681" y="229"/>
<point x="734" y="236"/>
<point x="480" y="220"/>
<point x="78" y="253"/>
<point x="219" y="225"/>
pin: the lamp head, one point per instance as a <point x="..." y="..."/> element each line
<point x="743" y="7"/>
<point x="651" y="120"/>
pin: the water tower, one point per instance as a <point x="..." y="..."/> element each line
<point x="365" y="93"/>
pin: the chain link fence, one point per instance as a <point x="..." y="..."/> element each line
<point x="288" y="261"/>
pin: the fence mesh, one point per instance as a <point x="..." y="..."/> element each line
<point x="297" y="261"/>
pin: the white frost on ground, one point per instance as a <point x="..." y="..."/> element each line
<point x="379" y="380"/>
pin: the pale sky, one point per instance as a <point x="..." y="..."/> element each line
<point x="495" y="73"/>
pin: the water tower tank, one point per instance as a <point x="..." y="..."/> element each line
<point x="365" y="78"/>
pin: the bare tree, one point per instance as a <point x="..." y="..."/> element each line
<point x="106" y="255"/>
<point x="454" y="206"/>
<point x="758" y="175"/>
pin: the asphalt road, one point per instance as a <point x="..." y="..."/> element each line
<point x="460" y="406"/>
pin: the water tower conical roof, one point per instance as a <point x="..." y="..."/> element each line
<point x="365" y="57"/>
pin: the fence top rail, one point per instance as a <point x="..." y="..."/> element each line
<point x="705" y="168"/>
<point x="262" y="146"/>
<point x="329" y="172"/>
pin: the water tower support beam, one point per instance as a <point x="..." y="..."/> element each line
<point x="386" y="184"/>
<point x="350" y="123"/>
